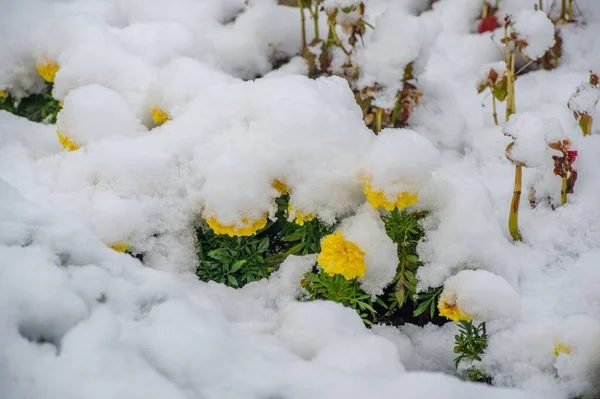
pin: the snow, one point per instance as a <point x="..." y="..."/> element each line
<point x="481" y="295"/>
<point x="535" y="28"/>
<point x="80" y="320"/>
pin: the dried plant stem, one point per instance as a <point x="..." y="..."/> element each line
<point x="303" y="24"/>
<point x="570" y="10"/>
<point x="563" y="191"/>
<point x="494" y="112"/>
<point x="513" y="218"/>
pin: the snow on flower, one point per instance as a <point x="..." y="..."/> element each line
<point x="366" y="229"/>
<point x="340" y="256"/>
<point x="561" y="348"/>
<point x="479" y="295"/>
<point x="246" y="228"/>
<point x="397" y="166"/>
<point x="535" y="32"/>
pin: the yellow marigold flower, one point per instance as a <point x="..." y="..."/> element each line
<point x="280" y="186"/>
<point x="378" y="199"/>
<point x="47" y="70"/>
<point x="66" y="142"/>
<point x="560" y="348"/>
<point x="120" y="247"/>
<point x="340" y="256"/>
<point x="300" y="217"/>
<point x="247" y="228"/>
<point x="2" y="94"/>
<point x="159" y="116"/>
<point x="451" y="311"/>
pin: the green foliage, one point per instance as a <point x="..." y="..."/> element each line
<point x="338" y="289"/>
<point x="404" y="229"/>
<point x="470" y="343"/>
<point x="236" y="261"/>
<point x="41" y="107"/>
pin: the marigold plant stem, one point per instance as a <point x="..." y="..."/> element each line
<point x="315" y="16"/>
<point x="513" y="218"/>
<point x="563" y="9"/>
<point x="570" y="10"/>
<point x="563" y="191"/>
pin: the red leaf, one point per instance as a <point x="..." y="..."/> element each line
<point x="572" y="156"/>
<point x="488" y="24"/>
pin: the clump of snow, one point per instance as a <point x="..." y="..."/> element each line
<point x="400" y="160"/>
<point x="366" y="230"/>
<point x="92" y="113"/>
<point x="528" y="132"/>
<point x="584" y="99"/>
<point x="394" y="44"/>
<point x="481" y="295"/>
<point x="536" y="30"/>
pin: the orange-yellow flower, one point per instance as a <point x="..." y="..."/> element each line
<point x="340" y="256"/>
<point x="450" y="310"/>
<point x="159" y="116"/>
<point x="378" y="199"/>
<point x="247" y="228"/>
<point x="66" y="142"/>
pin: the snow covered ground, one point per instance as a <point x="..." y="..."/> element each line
<point x="80" y="320"/>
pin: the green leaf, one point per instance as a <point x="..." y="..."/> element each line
<point x="263" y="245"/>
<point x="220" y="254"/>
<point x="421" y="308"/>
<point x="237" y="265"/>
<point x="232" y="281"/>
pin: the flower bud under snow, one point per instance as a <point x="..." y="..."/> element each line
<point x="92" y="113"/>
<point x="527" y="131"/>
<point x="534" y="31"/>
<point x="585" y="98"/>
<point x="479" y="295"/>
<point x="398" y="165"/>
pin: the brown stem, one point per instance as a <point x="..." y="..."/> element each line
<point x="303" y="20"/>
<point x="513" y="218"/>
<point x="494" y="112"/>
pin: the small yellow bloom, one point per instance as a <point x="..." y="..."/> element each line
<point x="247" y="228"/>
<point x="340" y="256"/>
<point x="2" y="94"/>
<point x="280" y="186"/>
<point x="61" y="104"/>
<point x="120" y="247"/>
<point x="159" y="116"/>
<point x="451" y="311"/>
<point x="378" y="199"/>
<point x="47" y="70"/>
<point x="560" y="348"/>
<point x="300" y="217"/>
<point x="66" y="142"/>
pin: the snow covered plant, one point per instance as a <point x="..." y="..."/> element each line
<point x="495" y="79"/>
<point x="583" y="103"/>
<point x="531" y="34"/>
<point x="476" y="295"/>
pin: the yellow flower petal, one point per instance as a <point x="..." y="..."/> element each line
<point x="300" y="217"/>
<point x="340" y="256"/>
<point x="280" y="186"/>
<point x="560" y="348"/>
<point x="247" y="228"/>
<point x="451" y="311"/>
<point x="48" y="70"/>
<point x="2" y="94"/>
<point x="66" y="142"/>
<point x="159" y="116"/>
<point x="378" y="199"/>
<point x="120" y="247"/>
